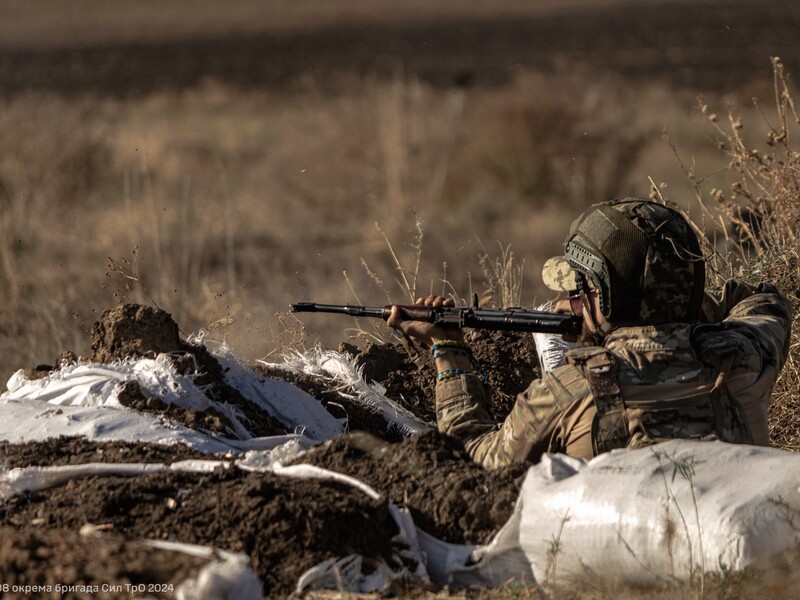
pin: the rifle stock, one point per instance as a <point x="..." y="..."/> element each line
<point x="509" y="319"/>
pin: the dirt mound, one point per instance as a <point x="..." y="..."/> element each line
<point x="510" y="363"/>
<point x="508" y="359"/>
<point x="285" y="525"/>
<point x="448" y="494"/>
<point x="134" y="331"/>
<point x="48" y="557"/>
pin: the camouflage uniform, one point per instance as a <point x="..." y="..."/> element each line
<point x="644" y="383"/>
<point x="556" y="413"/>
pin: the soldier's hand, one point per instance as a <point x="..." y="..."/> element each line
<point x="564" y="306"/>
<point x="421" y="331"/>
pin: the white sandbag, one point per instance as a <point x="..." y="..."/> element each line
<point x="98" y="385"/>
<point x="31" y="421"/>
<point x="660" y="514"/>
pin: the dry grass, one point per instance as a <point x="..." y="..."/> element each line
<point x="751" y="226"/>
<point x="728" y="587"/>
<point x="230" y="205"/>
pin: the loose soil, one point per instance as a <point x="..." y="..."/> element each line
<point x="284" y="525"/>
<point x="76" y="450"/>
<point x="449" y="495"/>
<point x="42" y="556"/>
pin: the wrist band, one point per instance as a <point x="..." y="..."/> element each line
<point x="449" y="344"/>
<point x="449" y="374"/>
<point x="453" y="350"/>
<point x="453" y="373"/>
<point x="455" y="347"/>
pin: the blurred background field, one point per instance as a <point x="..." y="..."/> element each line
<point x="223" y="160"/>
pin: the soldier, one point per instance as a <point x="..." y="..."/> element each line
<point x="660" y="358"/>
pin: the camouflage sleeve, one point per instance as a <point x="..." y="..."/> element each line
<point x="765" y="317"/>
<point x="525" y="434"/>
<point x="760" y="313"/>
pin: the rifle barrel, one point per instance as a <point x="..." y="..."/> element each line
<point x="523" y="320"/>
<point x="477" y="318"/>
<point x="344" y="309"/>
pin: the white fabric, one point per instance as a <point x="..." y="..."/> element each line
<point x="32" y="479"/>
<point x="551" y="348"/>
<point x="31" y="420"/>
<point x="655" y="515"/>
<point x="286" y="402"/>
<point x="98" y="385"/>
<point x="342" y="372"/>
<point x="226" y="576"/>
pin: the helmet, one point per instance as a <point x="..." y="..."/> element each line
<point x="642" y="257"/>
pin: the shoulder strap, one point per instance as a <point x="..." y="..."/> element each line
<point x="610" y="424"/>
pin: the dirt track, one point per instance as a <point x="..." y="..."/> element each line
<point x="703" y="46"/>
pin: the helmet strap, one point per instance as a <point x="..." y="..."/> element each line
<point x="598" y="331"/>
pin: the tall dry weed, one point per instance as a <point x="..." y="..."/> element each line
<point x="416" y="134"/>
<point x="751" y="229"/>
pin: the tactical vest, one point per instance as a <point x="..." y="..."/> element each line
<point x="636" y="416"/>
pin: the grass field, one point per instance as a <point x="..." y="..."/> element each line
<point x="133" y="166"/>
<point x="225" y="202"/>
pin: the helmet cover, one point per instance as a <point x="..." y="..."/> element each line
<point x="643" y="257"/>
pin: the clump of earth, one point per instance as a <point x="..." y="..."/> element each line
<point x="135" y="331"/>
<point x="284" y="525"/>
<point x="448" y="494"/>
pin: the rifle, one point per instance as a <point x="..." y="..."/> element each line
<point x="508" y="319"/>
